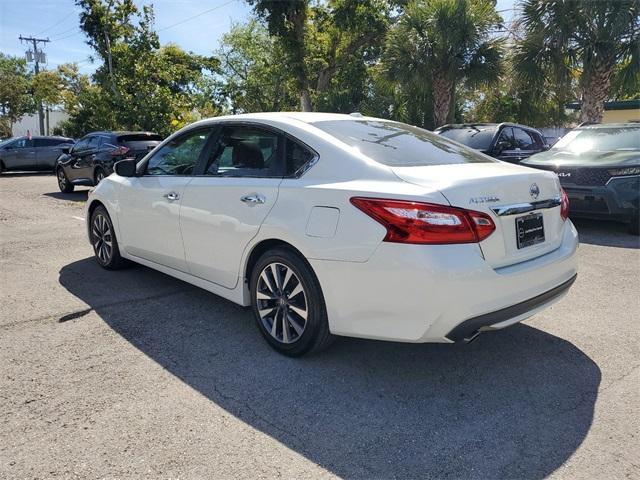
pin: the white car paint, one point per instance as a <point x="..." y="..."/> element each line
<point x="372" y="288"/>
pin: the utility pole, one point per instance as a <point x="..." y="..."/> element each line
<point x="37" y="56"/>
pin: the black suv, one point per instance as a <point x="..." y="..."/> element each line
<point x="505" y="141"/>
<point x="93" y="156"/>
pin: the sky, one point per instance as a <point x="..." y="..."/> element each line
<point x="195" y="25"/>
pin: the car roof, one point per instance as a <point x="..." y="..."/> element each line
<point x="451" y="126"/>
<point x="595" y="126"/>
<point x="121" y="132"/>
<point x="291" y="117"/>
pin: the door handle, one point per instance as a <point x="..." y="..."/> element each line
<point x="171" y="196"/>
<point x="253" y="199"/>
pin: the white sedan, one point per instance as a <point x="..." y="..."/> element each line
<point x="331" y="224"/>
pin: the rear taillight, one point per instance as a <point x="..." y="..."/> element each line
<point x="564" y="204"/>
<point x="426" y="223"/>
<point x="118" y="151"/>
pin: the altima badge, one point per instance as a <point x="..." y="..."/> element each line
<point x="483" y="199"/>
<point x="534" y="190"/>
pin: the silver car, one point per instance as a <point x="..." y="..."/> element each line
<point x="35" y="153"/>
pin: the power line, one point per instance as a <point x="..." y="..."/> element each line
<point x="57" y="23"/>
<point x="68" y="36"/>
<point x="195" y="16"/>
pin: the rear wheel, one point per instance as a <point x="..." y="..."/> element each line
<point x="64" y="184"/>
<point x="99" y="175"/>
<point x="288" y="304"/>
<point x="104" y="241"/>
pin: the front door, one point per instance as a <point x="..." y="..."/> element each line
<point x="20" y="155"/>
<point x="224" y="206"/>
<point x="149" y="214"/>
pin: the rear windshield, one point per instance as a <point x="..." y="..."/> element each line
<point x="600" y="140"/>
<point x="478" y="137"/>
<point x="397" y="144"/>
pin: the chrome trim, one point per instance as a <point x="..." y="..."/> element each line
<point x="526" y="207"/>
<point x="619" y="177"/>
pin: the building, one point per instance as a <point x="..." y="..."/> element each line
<point x="30" y="123"/>
<point x="616" y="112"/>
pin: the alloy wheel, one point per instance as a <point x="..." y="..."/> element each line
<point x="102" y="238"/>
<point x="62" y="180"/>
<point x="99" y="177"/>
<point x="282" y="302"/>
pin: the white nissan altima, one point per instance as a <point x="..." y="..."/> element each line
<point x="331" y="224"/>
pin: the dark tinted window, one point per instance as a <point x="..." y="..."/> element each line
<point x="397" y="144"/>
<point x="523" y="140"/>
<point x="505" y="140"/>
<point x="179" y="156"/>
<point x="22" y="143"/>
<point x="297" y="157"/>
<point x="244" y="151"/>
<point x="94" y="142"/>
<point x="82" y="144"/>
<point x="477" y="136"/>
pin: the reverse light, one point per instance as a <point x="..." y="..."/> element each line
<point x="122" y="150"/>
<point x="621" y="172"/>
<point x="426" y="223"/>
<point x="564" y="204"/>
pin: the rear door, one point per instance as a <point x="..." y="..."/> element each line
<point x="150" y="204"/>
<point x="224" y="206"/>
<point x="48" y="150"/>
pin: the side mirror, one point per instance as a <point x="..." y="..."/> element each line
<point x="126" y="168"/>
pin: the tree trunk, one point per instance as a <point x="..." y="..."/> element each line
<point x="442" y="95"/>
<point x="305" y="101"/>
<point x="595" y="89"/>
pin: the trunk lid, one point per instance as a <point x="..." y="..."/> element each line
<point x="486" y="187"/>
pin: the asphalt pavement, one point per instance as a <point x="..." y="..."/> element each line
<point x="134" y="374"/>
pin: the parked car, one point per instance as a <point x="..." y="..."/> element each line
<point x="329" y="224"/>
<point x="599" y="167"/>
<point x="509" y="142"/>
<point x="29" y="154"/>
<point x="92" y="158"/>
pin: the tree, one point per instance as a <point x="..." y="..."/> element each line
<point x="442" y="43"/>
<point x="254" y="77"/>
<point x="15" y="92"/>
<point x="595" y="38"/>
<point x="323" y="42"/>
<point x="140" y="85"/>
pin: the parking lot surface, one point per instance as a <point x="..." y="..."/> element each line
<point x="136" y="374"/>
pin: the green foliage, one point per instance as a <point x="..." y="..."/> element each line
<point x="15" y="92"/>
<point x="591" y="40"/>
<point x="440" y="44"/>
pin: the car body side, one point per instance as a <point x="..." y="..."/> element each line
<point x="372" y="288"/>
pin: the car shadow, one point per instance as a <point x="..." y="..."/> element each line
<point x="605" y="233"/>
<point x="76" y="196"/>
<point x="513" y="404"/>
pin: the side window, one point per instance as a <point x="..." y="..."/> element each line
<point x="244" y="151"/>
<point x="179" y="156"/>
<point x="505" y="140"/>
<point x="523" y="140"/>
<point x="94" y="142"/>
<point x="41" y="142"/>
<point x="297" y="157"/>
<point x="81" y="145"/>
<point x="22" y="143"/>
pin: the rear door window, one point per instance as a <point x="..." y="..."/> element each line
<point x="399" y="145"/>
<point x="523" y="140"/>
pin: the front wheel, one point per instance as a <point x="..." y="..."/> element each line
<point x="288" y="304"/>
<point x="64" y="184"/>
<point x="104" y="241"/>
<point x="99" y="175"/>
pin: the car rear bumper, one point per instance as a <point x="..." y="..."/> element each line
<point x="619" y="199"/>
<point x="418" y="293"/>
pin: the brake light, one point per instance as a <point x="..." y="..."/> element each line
<point x="564" y="204"/>
<point x="122" y="150"/>
<point x="426" y="223"/>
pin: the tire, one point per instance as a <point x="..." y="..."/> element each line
<point x="634" y="226"/>
<point x="280" y="310"/>
<point x="1" y="166"/>
<point x="98" y="176"/>
<point x="64" y="184"/>
<point x="104" y="241"/>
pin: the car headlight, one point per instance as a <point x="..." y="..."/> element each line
<point x="620" y="172"/>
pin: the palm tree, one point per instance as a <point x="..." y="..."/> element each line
<point x="587" y="39"/>
<point x="441" y="43"/>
